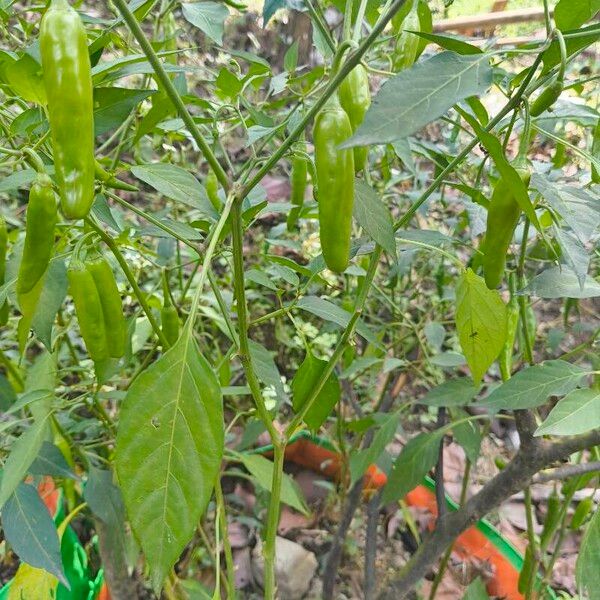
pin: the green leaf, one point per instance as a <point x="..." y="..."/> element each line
<point x="30" y="530"/>
<point x="360" y="461"/>
<point x="373" y="216"/>
<point x="209" y="17"/>
<point x="25" y="77"/>
<point x="112" y="105"/>
<point x="331" y="312"/>
<point x="17" y="180"/>
<point x="587" y="573"/>
<point x="561" y="282"/>
<point x="265" y="367"/>
<point x="532" y="386"/>
<point x="579" y="207"/>
<point x="577" y="412"/>
<point x="262" y="470"/>
<point x="270" y="7"/>
<point x="50" y="461"/>
<point x="585" y="37"/>
<point x="304" y="382"/>
<point x="22" y="454"/>
<point x="455" y="392"/>
<point x="481" y="322"/>
<point x="169" y="449"/>
<point x="415" y="97"/>
<point x="476" y="591"/>
<point x="176" y="183"/>
<point x="467" y="434"/>
<point x="449" y="42"/>
<point x="413" y="463"/>
<point x="571" y="14"/>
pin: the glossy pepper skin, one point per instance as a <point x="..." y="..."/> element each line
<point x="407" y="44"/>
<point x="112" y="307"/>
<point x="502" y="218"/>
<point x="68" y="83"/>
<point x="546" y="99"/>
<point x="3" y="250"/>
<point x="169" y="317"/>
<point x="211" y="183"/>
<point x="355" y="98"/>
<point x="298" y="180"/>
<point x="335" y="180"/>
<point x="39" y="234"/>
<point x="88" y="307"/>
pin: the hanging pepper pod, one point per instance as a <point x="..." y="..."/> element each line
<point x="169" y="317"/>
<point x="335" y="178"/>
<point x="112" y="306"/>
<point x="407" y="44"/>
<point x="211" y="183"/>
<point x="68" y="83"/>
<point x="298" y="180"/>
<point x="88" y="307"/>
<point x="39" y="234"/>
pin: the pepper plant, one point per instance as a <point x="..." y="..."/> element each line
<point x="160" y="310"/>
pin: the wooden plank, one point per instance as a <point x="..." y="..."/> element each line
<point x="521" y="15"/>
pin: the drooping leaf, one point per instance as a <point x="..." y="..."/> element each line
<point x="481" y="322"/>
<point x="175" y="183"/>
<point x="169" y="449"/>
<point x="578" y="412"/>
<point x="262" y="470"/>
<point x="208" y="16"/>
<point x="50" y="461"/>
<point x="33" y="584"/>
<point x="455" y="392"/>
<point x="532" y="386"/>
<point x="374" y="216"/>
<point x="417" y="96"/>
<point x="571" y="14"/>
<point x="266" y="369"/>
<point x="112" y="105"/>
<point x="561" y="282"/>
<point x="304" y="382"/>
<point x="416" y="459"/>
<point x="30" y="530"/>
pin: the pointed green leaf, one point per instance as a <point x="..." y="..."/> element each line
<point x="169" y="449"/>
<point x="587" y="572"/>
<point x="577" y="412"/>
<point x="480" y="322"/>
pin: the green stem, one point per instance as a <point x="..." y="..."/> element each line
<point x="132" y="280"/>
<point x="317" y="20"/>
<point x="226" y="543"/>
<point x="362" y="8"/>
<point x="531" y="540"/>
<point x="547" y="18"/>
<point x="171" y="91"/>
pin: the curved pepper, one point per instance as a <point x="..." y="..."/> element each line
<point x="88" y="307"/>
<point x="502" y="218"/>
<point x="546" y="99"/>
<point x="112" y="307"/>
<point x="68" y="83"/>
<point x="39" y="234"/>
<point x="335" y="179"/>
<point x="355" y="98"/>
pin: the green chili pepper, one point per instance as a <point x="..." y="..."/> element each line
<point x="88" y="307"/>
<point x="355" y="98"/>
<point x="68" y="83"/>
<point x="335" y="178"/>
<point x="506" y="355"/>
<point x="552" y="520"/>
<point x="3" y="250"/>
<point x="211" y="183"/>
<point x="299" y="177"/>
<point x="502" y="218"/>
<point x="407" y="44"/>
<point x="169" y="317"/>
<point x="584" y="508"/>
<point x="39" y="234"/>
<point x="527" y="571"/>
<point x="546" y="99"/>
<point x="112" y="307"/>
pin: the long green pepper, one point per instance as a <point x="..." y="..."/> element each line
<point x="68" y="83"/>
<point x="112" y="307"/>
<point x="335" y="179"/>
<point x="298" y="180"/>
<point x="39" y="234"/>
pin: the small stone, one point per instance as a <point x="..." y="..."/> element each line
<point x="295" y="568"/>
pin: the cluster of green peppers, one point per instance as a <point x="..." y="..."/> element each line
<point x="98" y="305"/>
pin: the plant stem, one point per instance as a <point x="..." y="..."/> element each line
<point x="226" y="543"/>
<point x="531" y="541"/>
<point x="171" y="91"/>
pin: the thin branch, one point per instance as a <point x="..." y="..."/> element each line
<point x="371" y="546"/>
<point x="567" y="472"/>
<point x="440" y="491"/>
